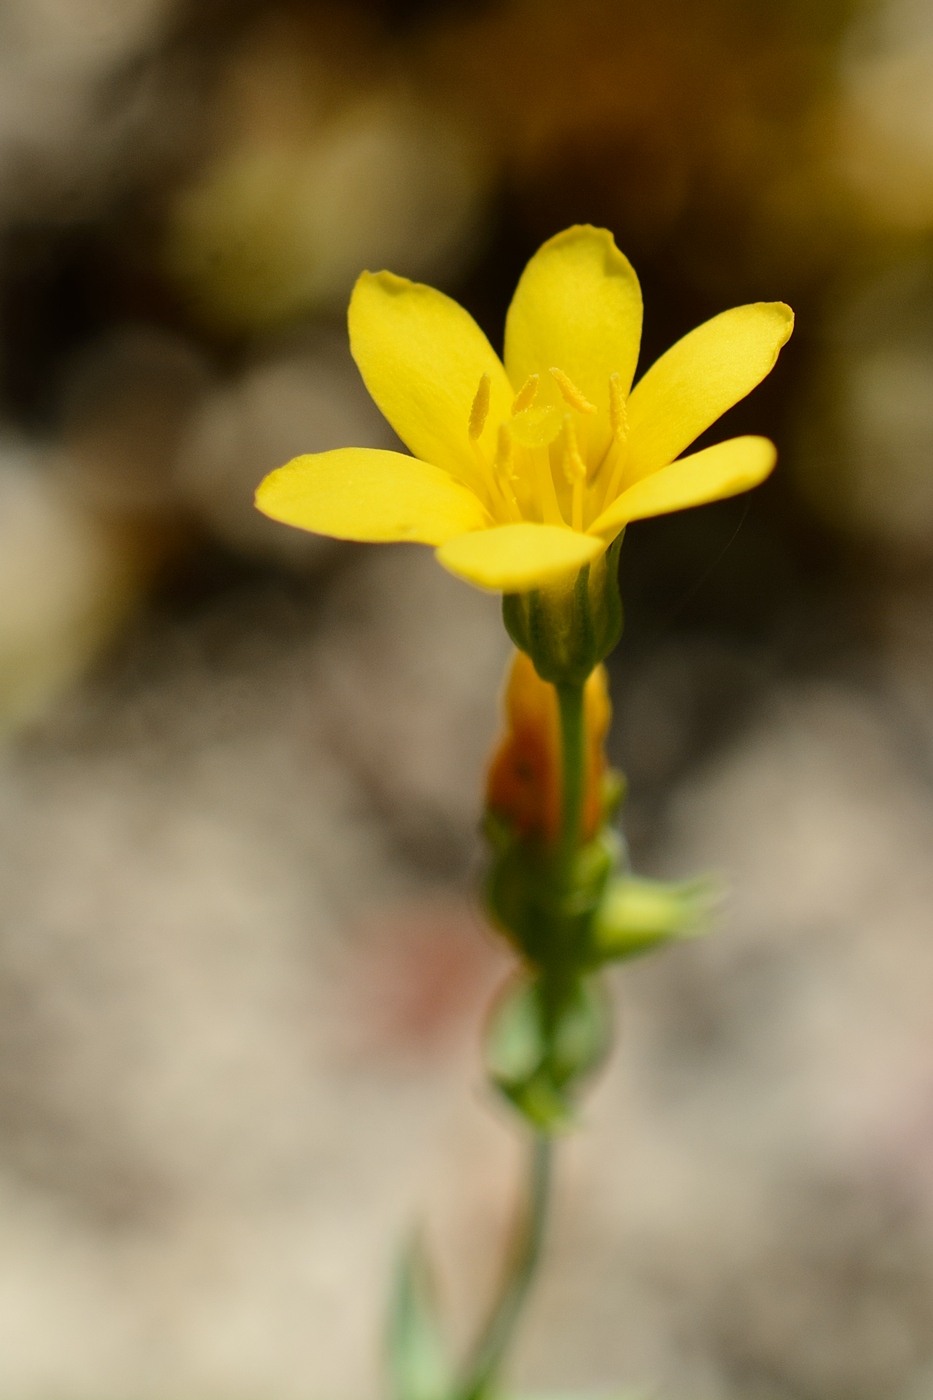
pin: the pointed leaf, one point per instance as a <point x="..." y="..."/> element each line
<point x="419" y="1367"/>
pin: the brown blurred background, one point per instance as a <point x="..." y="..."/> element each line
<point x="241" y="969"/>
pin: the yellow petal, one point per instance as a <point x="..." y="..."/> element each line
<point x="516" y="558"/>
<point x="577" y="308"/>
<point x="701" y="376"/>
<point x="359" y="493"/>
<point x="422" y="357"/>
<point x="711" y="475"/>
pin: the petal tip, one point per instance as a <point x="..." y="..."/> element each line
<point x="784" y="314"/>
<point x="265" y="492"/>
<point x="384" y="281"/>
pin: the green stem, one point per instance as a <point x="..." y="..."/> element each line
<point x="570" y="701"/>
<point x="523" y="1260"/>
<point x="519" y="1275"/>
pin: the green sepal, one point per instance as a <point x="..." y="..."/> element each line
<point x="569" y="627"/>
<point x="635" y="915"/>
<point x="419" y="1367"/>
<point x="542" y="1040"/>
<point x="545" y="908"/>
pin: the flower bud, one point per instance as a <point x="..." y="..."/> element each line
<point x="636" y="915"/>
<point x="524" y="784"/>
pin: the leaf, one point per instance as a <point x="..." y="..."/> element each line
<point x="419" y="1367"/>
<point x="583" y="1032"/>
<point x="515" y="1045"/>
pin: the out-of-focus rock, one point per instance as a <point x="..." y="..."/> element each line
<point x="127" y="404"/>
<point x="81" y="36"/>
<point x="65" y="114"/>
<point x="413" y="662"/>
<point x="904" y="622"/>
<point x="885" y="127"/>
<point x="705" y="140"/>
<point x="864" y="454"/>
<point x="65" y="582"/>
<point x="322" y="163"/>
<point x="306" y="396"/>
<point x="672" y="709"/>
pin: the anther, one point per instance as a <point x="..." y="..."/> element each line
<point x="480" y="407"/>
<point x="526" y="394"/>
<point x="571" y="393"/>
<point x="618" y="413"/>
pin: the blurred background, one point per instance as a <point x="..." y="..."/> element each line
<point x="241" y="968"/>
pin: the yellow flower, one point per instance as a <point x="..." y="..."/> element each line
<point x="522" y="473"/>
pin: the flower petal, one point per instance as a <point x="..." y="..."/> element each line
<point x="711" y="475"/>
<point x="516" y="558"/>
<point x="422" y="357"/>
<point x="577" y="307"/>
<point x="360" y="493"/>
<point x="701" y="376"/>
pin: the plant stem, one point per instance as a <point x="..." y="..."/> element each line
<point x="526" y="1248"/>
<point x="573" y="757"/>
<point x="519" y="1274"/>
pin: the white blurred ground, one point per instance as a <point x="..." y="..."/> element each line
<point x="241" y="983"/>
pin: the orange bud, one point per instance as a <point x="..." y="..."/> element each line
<point x="524" y="783"/>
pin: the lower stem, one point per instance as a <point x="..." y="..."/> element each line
<point x="519" y="1275"/>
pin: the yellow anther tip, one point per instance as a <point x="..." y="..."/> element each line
<point x="618" y="413"/>
<point x="570" y="392"/>
<point x="526" y="394"/>
<point x="480" y="407"/>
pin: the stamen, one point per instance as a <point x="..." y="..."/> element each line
<point x="545" y="494"/>
<point x="504" y="456"/>
<point x="526" y="394"/>
<point x="575" y="472"/>
<point x="504" y="470"/>
<point x="618" y="413"/>
<point x="616" y="458"/>
<point x="571" y="393"/>
<point x="480" y="407"/>
<point x="570" y="459"/>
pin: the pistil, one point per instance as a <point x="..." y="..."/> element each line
<point x="574" y="469"/>
<point x="505" y="473"/>
<point x="616" y="458"/>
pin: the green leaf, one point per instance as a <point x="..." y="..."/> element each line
<point x="582" y="1032"/>
<point x="515" y="1044"/>
<point x="637" y="915"/>
<point x="419" y="1367"/>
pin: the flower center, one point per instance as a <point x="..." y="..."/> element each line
<point x="540" y="468"/>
